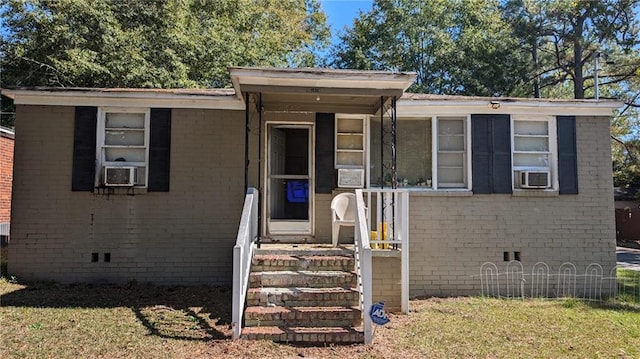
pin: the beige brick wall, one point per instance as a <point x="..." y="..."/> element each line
<point x="387" y="282"/>
<point x="184" y="236"/>
<point x="452" y="236"/>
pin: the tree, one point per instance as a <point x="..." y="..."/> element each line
<point x="163" y="43"/>
<point x="563" y="38"/>
<point x="456" y="47"/>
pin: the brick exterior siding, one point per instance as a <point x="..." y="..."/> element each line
<point x="184" y="236"/>
<point x="6" y="175"/>
<point x="451" y="236"/>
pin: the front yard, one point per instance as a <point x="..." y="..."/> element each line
<point x="83" y="321"/>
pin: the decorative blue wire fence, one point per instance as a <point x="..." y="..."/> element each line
<point x="541" y="282"/>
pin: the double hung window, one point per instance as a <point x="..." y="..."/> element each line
<point x="123" y="141"/>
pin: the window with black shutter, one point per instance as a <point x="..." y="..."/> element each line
<point x="84" y="149"/>
<point x="491" y="153"/>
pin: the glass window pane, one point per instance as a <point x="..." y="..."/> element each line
<point x="450" y="159"/>
<point x="540" y="144"/>
<point x="450" y="127"/>
<point x="349" y="142"/>
<point x="124" y="120"/>
<point x="451" y="143"/>
<point x="531" y="128"/>
<point x="531" y="160"/>
<point x="125" y="154"/>
<point x="124" y="137"/>
<point x="450" y="176"/>
<point x="413" y="152"/>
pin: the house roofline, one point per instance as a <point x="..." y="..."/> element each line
<point x="414" y="104"/>
<point x="223" y="99"/>
<point x="409" y="104"/>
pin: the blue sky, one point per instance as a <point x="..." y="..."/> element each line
<point x="340" y="13"/>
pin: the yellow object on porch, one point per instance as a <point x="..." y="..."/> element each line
<point x="374" y="236"/>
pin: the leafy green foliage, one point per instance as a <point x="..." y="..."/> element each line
<point x="563" y="38"/>
<point x="164" y="43"/>
<point x="456" y="47"/>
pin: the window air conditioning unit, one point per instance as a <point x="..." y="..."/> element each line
<point x="534" y="179"/>
<point x="119" y="176"/>
<point x="350" y="178"/>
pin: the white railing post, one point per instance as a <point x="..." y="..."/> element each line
<point x="404" y="236"/>
<point x="364" y="266"/>
<point x="242" y="255"/>
<point x="237" y="285"/>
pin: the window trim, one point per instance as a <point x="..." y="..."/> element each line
<point x="100" y="142"/>
<point x="435" y="122"/>
<point x="553" y="151"/>
<point x="434" y="119"/>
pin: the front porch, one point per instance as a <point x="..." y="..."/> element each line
<point x="317" y="293"/>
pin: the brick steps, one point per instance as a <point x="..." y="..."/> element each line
<point x="268" y="262"/>
<point x="302" y="278"/>
<point x="303" y="295"/>
<point x="301" y="316"/>
<point x="309" y="335"/>
<point x="300" y="296"/>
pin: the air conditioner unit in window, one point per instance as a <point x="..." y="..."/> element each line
<point x="534" y="179"/>
<point x="119" y="176"/>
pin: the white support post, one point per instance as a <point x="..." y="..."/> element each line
<point x="404" y="225"/>
<point x="368" y="290"/>
<point x="237" y="288"/>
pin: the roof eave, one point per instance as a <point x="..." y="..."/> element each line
<point x="113" y="97"/>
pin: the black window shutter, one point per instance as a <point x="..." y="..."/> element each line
<point x="84" y="149"/>
<point x="325" y="173"/>
<point x="481" y="153"/>
<point x="567" y="155"/>
<point x="159" y="150"/>
<point x="502" y="174"/>
<point x="491" y="153"/>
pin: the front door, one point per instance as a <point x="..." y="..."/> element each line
<point x="289" y="180"/>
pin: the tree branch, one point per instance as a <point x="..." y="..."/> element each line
<point x="51" y="68"/>
<point x="630" y="153"/>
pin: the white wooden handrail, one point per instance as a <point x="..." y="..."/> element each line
<point x="242" y="255"/>
<point x="364" y="267"/>
<point x="391" y="225"/>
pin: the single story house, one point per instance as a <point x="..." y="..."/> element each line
<point x="114" y="185"/>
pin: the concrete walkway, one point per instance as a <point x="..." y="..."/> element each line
<point x="628" y="258"/>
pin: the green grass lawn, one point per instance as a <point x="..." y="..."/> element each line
<point x="137" y="321"/>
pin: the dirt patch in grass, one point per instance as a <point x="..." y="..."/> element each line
<point x="47" y="320"/>
<point x="65" y="321"/>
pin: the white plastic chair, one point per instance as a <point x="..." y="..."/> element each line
<point x="343" y="213"/>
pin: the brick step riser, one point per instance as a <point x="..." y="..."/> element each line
<point x="262" y="263"/>
<point x="257" y="280"/>
<point x="302" y="317"/>
<point x="307" y="300"/>
<point x="303" y="323"/>
<point x="304" y="302"/>
<point x="343" y="338"/>
<point x="270" y="267"/>
<point x="305" y="252"/>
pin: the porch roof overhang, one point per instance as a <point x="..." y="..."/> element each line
<point x="318" y="89"/>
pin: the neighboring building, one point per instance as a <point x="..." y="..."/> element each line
<point x="627" y="207"/>
<point x="141" y="184"/>
<point x="7" y="137"/>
